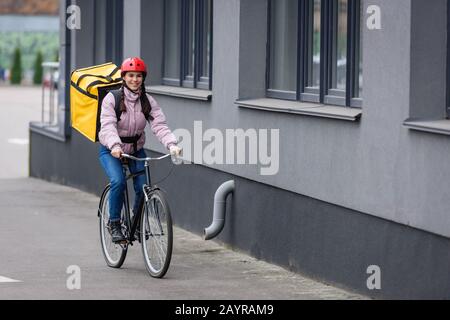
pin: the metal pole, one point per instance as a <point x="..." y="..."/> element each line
<point x="43" y="98"/>
<point x="51" y="97"/>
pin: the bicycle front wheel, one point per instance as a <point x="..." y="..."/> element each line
<point x="113" y="253"/>
<point x="156" y="234"/>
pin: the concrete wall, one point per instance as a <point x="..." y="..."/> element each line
<point x="132" y="28"/>
<point x="82" y="40"/>
<point x="152" y="26"/>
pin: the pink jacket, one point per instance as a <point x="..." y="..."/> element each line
<point x="132" y="123"/>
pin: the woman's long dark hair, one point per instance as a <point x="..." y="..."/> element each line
<point x="145" y="103"/>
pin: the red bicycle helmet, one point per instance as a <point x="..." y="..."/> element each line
<point x="134" y="64"/>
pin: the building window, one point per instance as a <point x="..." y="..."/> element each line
<point x="188" y="43"/>
<point x="315" y="51"/>
<point x="108" y="36"/>
<point x="448" y="61"/>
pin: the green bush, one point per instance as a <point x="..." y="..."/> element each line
<point x="16" y="71"/>
<point x="37" y="78"/>
<point x="28" y="41"/>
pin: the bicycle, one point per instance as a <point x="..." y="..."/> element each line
<point x="153" y="223"/>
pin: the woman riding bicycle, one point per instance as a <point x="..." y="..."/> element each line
<point x="128" y="136"/>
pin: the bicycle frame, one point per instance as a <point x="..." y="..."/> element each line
<point x="132" y="223"/>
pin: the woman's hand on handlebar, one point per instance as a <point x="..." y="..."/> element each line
<point x="116" y="152"/>
<point x="175" y="150"/>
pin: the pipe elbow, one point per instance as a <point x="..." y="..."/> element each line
<point x="223" y="191"/>
<point x="214" y="229"/>
<point x="219" y="210"/>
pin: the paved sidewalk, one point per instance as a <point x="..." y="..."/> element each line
<point x="44" y="228"/>
<point x="18" y="106"/>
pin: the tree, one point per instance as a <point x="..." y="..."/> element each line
<point x="16" y="71"/>
<point x="37" y="78"/>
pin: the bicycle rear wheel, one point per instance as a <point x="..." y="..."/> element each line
<point x="156" y="233"/>
<point x="113" y="253"/>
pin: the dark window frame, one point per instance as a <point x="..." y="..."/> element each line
<point x="448" y="61"/>
<point x="113" y="36"/>
<point x="324" y="94"/>
<point x="115" y="40"/>
<point x="169" y="81"/>
<point x="185" y="80"/>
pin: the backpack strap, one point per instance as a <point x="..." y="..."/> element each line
<point x="131" y="140"/>
<point x="117" y="97"/>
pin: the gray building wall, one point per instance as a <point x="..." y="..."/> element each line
<point x="83" y="40"/>
<point x="376" y="166"/>
<point x="132" y="28"/>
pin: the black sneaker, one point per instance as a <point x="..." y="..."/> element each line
<point x="116" y="232"/>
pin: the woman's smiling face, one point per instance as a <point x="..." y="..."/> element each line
<point x="133" y="80"/>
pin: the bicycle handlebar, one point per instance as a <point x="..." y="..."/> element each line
<point x="144" y="159"/>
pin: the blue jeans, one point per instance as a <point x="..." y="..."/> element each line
<point x="114" y="170"/>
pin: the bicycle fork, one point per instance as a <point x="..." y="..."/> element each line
<point x="153" y="212"/>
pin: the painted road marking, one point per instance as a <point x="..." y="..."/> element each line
<point x="18" y="141"/>
<point x="5" y="280"/>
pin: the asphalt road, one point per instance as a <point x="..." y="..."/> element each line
<point x="47" y="229"/>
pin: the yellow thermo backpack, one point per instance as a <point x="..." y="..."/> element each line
<point x="88" y="87"/>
